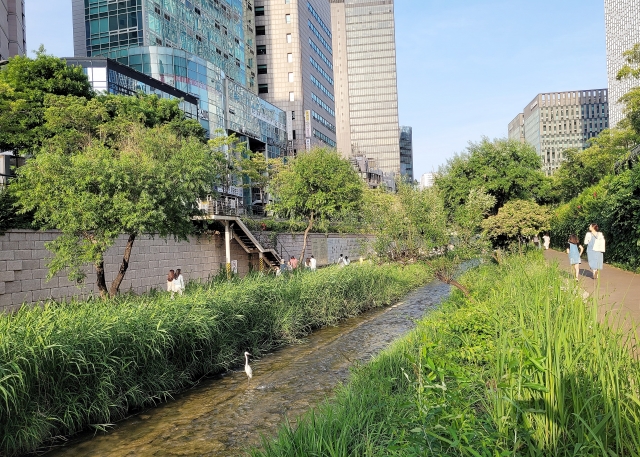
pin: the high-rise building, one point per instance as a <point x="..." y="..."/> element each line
<point x="406" y="153"/>
<point x="217" y="31"/>
<point x="622" y="23"/>
<point x="516" y="128"/>
<point x="13" y="40"/>
<point x="295" y="68"/>
<point x="555" y="122"/>
<point x="427" y="180"/>
<point x="366" y="80"/>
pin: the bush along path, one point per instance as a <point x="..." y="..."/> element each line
<point x="69" y="367"/>
<point x="524" y="370"/>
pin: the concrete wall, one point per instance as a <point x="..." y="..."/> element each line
<point x="23" y="271"/>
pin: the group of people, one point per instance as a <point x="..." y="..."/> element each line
<point x="546" y="241"/>
<point x="595" y="243"/>
<point x="293" y="263"/>
<point x="175" y="282"/>
<point x="343" y="261"/>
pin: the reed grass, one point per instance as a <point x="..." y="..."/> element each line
<point x="68" y="367"/>
<point x="525" y="369"/>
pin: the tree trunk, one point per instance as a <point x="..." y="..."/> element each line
<point x="102" y="284"/>
<point x="115" y="285"/>
<point x="304" y="241"/>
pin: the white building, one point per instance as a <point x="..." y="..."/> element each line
<point x="427" y="180"/>
<point x="622" y="22"/>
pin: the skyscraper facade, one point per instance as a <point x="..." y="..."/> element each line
<point x="406" y="153"/>
<point x="295" y="68"/>
<point x="555" y="122"/>
<point x="366" y="80"/>
<point x="13" y="41"/>
<point x="622" y="23"/>
<point x="218" y="31"/>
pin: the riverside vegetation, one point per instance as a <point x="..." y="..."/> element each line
<point x="524" y="369"/>
<point x="69" y="367"/>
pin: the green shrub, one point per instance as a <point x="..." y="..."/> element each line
<point x="66" y="367"/>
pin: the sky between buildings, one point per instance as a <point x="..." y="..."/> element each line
<point x="465" y="67"/>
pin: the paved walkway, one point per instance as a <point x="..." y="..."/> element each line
<point x="618" y="290"/>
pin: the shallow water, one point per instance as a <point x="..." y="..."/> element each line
<point x="228" y="414"/>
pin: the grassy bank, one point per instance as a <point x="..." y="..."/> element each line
<point x="523" y="370"/>
<point x="64" y="368"/>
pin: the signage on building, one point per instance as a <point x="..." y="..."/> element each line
<point x="289" y="129"/>
<point x="308" y="144"/>
<point x="307" y="124"/>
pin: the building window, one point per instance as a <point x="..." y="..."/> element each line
<point x="292" y="97"/>
<point x="286" y="2"/>
<point x="261" y="49"/>
<point x="260" y="30"/>
<point x="290" y="77"/>
<point x="294" y="134"/>
<point x="262" y="69"/>
<point x="263" y="88"/>
<point x="259" y="10"/>
<point x="290" y="58"/>
<point x="293" y="115"/>
<point x="288" y="38"/>
<point x="287" y="18"/>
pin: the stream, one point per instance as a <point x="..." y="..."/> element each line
<point x="226" y="415"/>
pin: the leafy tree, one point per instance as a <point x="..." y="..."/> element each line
<point x="146" y="182"/>
<point x="632" y="98"/>
<point x="317" y="185"/>
<point x="516" y="220"/>
<point x="24" y="84"/>
<point x="257" y="170"/>
<point x="505" y="169"/>
<point x="583" y="169"/>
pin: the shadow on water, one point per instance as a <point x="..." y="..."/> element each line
<point x="225" y="415"/>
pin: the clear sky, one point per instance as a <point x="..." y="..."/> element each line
<point x="466" y="68"/>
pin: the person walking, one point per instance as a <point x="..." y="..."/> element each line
<point x="313" y="263"/>
<point x="179" y="281"/>
<point x="575" y="251"/>
<point x="547" y="241"/>
<point x="170" y="282"/>
<point x="293" y="262"/>
<point x="595" y="242"/>
<point x="307" y="263"/>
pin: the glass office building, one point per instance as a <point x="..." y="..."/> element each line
<point x="218" y="31"/>
<point x="364" y="53"/>
<point x="406" y="153"/>
<point x="557" y="121"/>
<point x="622" y="21"/>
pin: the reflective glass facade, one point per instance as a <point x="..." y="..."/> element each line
<point x="406" y="153"/>
<point x="366" y="80"/>
<point x="213" y="30"/>
<point x="622" y="20"/>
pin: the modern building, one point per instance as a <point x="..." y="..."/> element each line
<point x="406" y="153"/>
<point x="13" y="39"/>
<point x="555" y="122"/>
<point x="218" y="31"/>
<point x="295" y="68"/>
<point x="622" y="23"/>
<point x="427" y="180"/>
<point x="366" y="80"/>
<point x="516" y="128"/>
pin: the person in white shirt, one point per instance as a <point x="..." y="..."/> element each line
<point x="547" y="241"/>
<point x="340" y="262"/>
<point x="347" y="261"/>
<point x="313" y="263"/>
<point x="179" y="282"/>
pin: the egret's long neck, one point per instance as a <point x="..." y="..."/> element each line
<point x="246" y="359"/>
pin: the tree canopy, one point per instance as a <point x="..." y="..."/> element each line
<point x="319" y="184"/>
<point x="505" y="169"/>
<point x="517" y="220"/>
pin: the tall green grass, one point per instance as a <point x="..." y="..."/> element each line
<point x="523" y="370"/>
<point x="67" y="367"/>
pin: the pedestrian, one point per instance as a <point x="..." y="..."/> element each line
<point x="313" y="263"/>
<point x="347" y="261"/>
<point x="595" y="242"/>
<point x="341" y="261"/>
<point x="536" y="241"/>
<point x="283" y="266"/>
<point x="575" y="251"/>
<point x="179" y="281"/>
<point x="547" y="241"/>
<point x="170" y="282"/>
<point x="307" y="263"/>
<point x="293" y="262"/>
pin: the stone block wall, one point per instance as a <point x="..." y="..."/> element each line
<point x="23" y="266"/>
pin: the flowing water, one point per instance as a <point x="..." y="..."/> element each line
<point x="227" y="414"/>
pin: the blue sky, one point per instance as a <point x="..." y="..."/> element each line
<point x="465" y="67"/>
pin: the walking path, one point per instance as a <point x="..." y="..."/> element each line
<point x="618" y="290"/>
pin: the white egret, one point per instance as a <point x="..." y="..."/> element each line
<point x="247" y="368"/>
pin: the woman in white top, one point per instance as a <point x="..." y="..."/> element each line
<point x="595" y="242"/>
<point x="171" y="282"/>
<point x="179" y="282"/>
